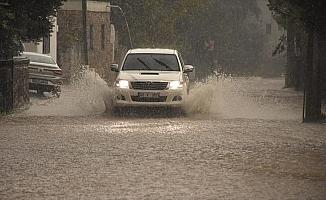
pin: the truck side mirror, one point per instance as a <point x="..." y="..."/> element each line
<point x="188" y="69"/>
<point x="114" y="67"/>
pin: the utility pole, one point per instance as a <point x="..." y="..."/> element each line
<point x="84" y="32"/>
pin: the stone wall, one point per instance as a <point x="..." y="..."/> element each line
<point x="14" y="91"/>
<point x="6" y="95"/>
<point x="20" y="82"/>
<point x="70" y="43"/>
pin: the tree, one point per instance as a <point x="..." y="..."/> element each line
<point x="152" y="23"/>
<point x="311" y="16"/>
<point x="189" y="25"/>
<point x="237" y="43"/>
<point x="22" y="20"/>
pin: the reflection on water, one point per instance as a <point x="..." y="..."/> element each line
<point x="225" y="97"/>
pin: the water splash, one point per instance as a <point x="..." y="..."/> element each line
<point x="222" y="96"/>
<point x="87" y="95"/>
<point x="250" y="98"/>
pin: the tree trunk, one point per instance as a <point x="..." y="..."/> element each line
<point x="300" y="58"/>
<point x="322" y="67"/>
<point x="291" y="57"/>
<point x="312" y="80"/>
<point x="84" y="32"/>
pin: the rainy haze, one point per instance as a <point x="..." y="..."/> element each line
<point x="164" y="99"/>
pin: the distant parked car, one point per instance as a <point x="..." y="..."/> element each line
<point x="44" y="73"/>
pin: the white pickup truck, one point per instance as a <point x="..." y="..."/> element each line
<point x="151" y="77"/>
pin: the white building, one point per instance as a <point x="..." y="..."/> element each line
<point x="272" y="33"/>
<point x="47" y="45"/>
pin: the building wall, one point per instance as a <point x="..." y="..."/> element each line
<point x="267" y="20"/>
<point x="53" y="40"/>
<point x="100" y="54"/>
<point x="70" y="42"/>
<point x="272" y="32"/>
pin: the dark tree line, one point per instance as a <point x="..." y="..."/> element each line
<point x="305" y="22"/>
<point x="209" y="33"/>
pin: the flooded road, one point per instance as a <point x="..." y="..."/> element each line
<point x="241" y="139"/>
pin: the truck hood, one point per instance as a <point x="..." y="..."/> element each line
<point x="150" y="75"/>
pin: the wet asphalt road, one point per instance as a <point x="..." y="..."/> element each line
<point x="193" y="157"/>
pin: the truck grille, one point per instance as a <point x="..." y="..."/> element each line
<point x="149" y="85"/>
<point x="148" y="99"/>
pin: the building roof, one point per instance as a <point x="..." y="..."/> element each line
<point x="156" y="51"/>
<point x="92" y="5"/>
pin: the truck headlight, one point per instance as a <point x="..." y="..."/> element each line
<point x="123" y="84"/>
<point x="174" y="85"/>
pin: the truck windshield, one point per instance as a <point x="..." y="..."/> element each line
<point x="155" y="62"/>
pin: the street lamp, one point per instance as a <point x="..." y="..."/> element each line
<point x="124" y="16"/>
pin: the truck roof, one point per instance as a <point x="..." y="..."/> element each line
<point x="151" y="50"/>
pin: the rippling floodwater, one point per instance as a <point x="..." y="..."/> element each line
<point x="242" y="139"/>
<point x="224" y="97"/>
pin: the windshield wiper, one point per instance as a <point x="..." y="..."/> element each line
<point x="142" y="62"/>
<point x="163" y="64"/>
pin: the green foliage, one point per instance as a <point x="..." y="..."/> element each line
<point x="237" y="41"/>
<point x="24" y="20"/>
<point x="310" y="14"/>
<point x="188" y="24"/>
<point x="152" y="23"/>
<point x="309" y="19"/>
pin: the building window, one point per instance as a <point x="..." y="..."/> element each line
<point x="268" y="29"/>
<point x="91" y="35"/>
<point x="103" y="36"/>
<point x="46" y="44"/>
